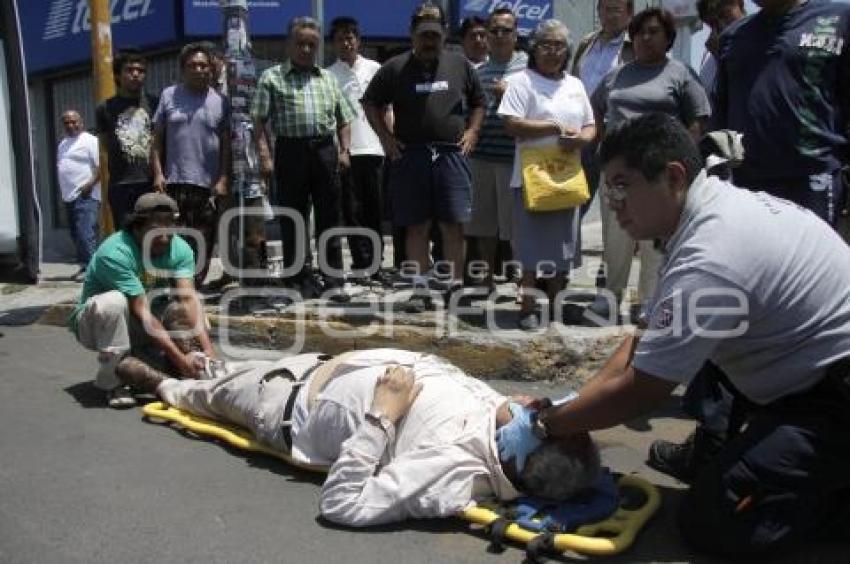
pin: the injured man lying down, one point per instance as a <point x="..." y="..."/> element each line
<point x="405" y="434"/>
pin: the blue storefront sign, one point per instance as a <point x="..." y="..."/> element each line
<point x="529" y="13"/>
<point x="57" y="32"/>
<point x="271" y="17"/>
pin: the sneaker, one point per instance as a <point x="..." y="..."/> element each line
<point x="683" y="460"/>
<point x="120" y="398"/>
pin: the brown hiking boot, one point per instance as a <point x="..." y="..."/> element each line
<point x="139" y="374"/>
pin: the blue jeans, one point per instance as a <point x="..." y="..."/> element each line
<point x="83" y="215"/>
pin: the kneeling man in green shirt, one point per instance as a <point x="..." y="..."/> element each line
<point x="115" y="315"/>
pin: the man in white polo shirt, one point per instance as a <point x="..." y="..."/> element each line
<point x="362" y="175"/>
<point x="77" y="166"/>
<point x="757" y="288"/>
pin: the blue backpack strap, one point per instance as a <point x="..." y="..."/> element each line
<point x="525" y="510"/>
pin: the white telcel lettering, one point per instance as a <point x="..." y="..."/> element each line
<point x="129" y="11"/>
<point x="523" y="9"/>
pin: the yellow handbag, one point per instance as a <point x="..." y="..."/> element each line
<point x="552" y="179"/>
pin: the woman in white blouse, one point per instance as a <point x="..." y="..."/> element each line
<point x="544" y="106"/>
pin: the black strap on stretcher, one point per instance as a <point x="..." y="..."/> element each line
<point x="539" y="546"/>
<point x="496" y="531"/>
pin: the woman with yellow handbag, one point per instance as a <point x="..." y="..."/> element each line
<point x="549" y="114"/>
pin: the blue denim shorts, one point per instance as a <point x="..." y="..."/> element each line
<point x="430" y="182"/>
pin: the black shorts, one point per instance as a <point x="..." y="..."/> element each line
<point x="430" y="182"/>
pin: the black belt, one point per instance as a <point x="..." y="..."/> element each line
<point x="835" y="383"/>
<point x="437" y="147"/>
<point x="313" y="141"/>
<point x="286" y="425"/>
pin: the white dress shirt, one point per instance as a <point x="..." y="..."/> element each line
<point x="76" y="160"/>
<point x="353" y="81"/>
<point x="443" y="454"/>
<point x="441" y="457"/>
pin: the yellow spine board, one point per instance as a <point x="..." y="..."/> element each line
<point x="622" y="527"/>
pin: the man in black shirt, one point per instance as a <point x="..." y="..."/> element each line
<point x="429" y="177"/>
<point x="124" y="127"/>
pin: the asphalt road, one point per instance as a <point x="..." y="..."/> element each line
<point x="82" y="483"/>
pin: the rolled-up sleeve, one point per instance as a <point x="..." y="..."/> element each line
<point x="426" y="482"/>
<point x="261" y="103"/>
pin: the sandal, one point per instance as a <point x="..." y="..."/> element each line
<point x="120" y="398"/>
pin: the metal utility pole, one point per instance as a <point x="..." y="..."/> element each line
<point x="319" y="16"/>
<point x="247" y="182"/>
<point x="101" y="49"/>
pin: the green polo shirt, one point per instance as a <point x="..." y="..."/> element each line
<point x="117" y="265"/>
<point x="301" y="103"/>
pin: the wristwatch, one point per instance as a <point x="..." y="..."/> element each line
<point x="378" y="418"/>
<point x="539" y="426"/>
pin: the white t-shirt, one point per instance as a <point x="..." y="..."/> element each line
<point x="76" y="160"/>
<point x="353" y="81"/>
<point x="532" y="96"/>
<point x="769" y="278"/>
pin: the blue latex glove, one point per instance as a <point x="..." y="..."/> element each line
<point x="516" y="439"/>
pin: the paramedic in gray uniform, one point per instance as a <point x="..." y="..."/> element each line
<point x="758" y="287"/>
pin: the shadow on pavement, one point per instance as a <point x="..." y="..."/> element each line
<point x="21" y="316"/>
<point x="87" y="395"/>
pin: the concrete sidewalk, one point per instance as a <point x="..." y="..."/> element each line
<point x="480" y="336"/>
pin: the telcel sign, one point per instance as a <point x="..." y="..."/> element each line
<point x="529" y="13"/>
<point x="56" y="32"/>
<point x="57" y="19"/>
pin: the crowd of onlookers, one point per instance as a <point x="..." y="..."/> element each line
<point x="430" y="141"/>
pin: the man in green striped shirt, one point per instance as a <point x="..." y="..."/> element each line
<point x="305" y="109"/>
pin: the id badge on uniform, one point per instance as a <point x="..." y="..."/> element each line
<point x="429" y="87"/>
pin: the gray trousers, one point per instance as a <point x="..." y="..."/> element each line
<point x="251" y="394"/>
<point x="106" y="325"/>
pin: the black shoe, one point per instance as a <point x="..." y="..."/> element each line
<point x="385" y="278"/>
<point x="418" y="303"/>
<point x="334" y="289"/>
<point x="683" y="461"/>
<point x="311" y="287"/>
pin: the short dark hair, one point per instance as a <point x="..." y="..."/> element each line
<point x="503" y="11"/>
<point x="665" y="17"/>
<point x="427" y="11"/>
<point x="214" y="49"/>
<point x="190" y="49"/>
<point x="630" y="5"/>
<point x="710" y="9"/>
<point x="126" y="56"/>
<point x="469" y="23"/>
<point x="649" y="143"/>
<point x="345" y="24"/>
